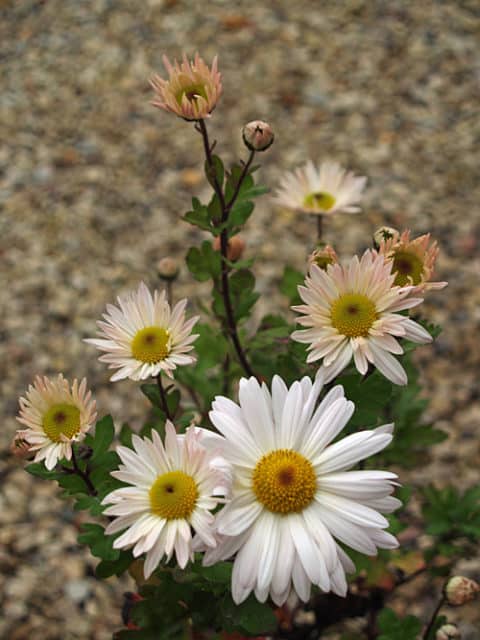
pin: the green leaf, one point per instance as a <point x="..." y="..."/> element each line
<point x="125" y="435"/>
<point x="215" y="171"/>
<point x="107" y="568"/>
<point x="100" y="545"/>
<point x="370" y="396"/>
<point x="250" y="616"/>
<point x="199" y="218"/>
<point x="104" y="434"/>
<point x="204" y="263"/>
<point x="39" y="470"/>
<point x="89" y="503"/>
<point x="394" y="628"/>
<point x="291" y="279"/>
<point x="240" y="213"/>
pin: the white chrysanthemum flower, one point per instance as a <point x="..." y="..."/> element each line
<point x="325" y="190"/>
<point x="351" y="311"/>
<point x="143" y="337"/>
<point x="173" y="488"/>
<point x="56" y="415"/>
<point x="293" y="492"/>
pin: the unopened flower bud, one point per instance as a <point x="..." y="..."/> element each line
<point x="235" y="247"/>
<point x="168" y="269"/>
<point x="258" y="135"/>
<point x="383" y="234"/>
<point x="460" y="590"/>
<point x="323" y="256"/>
<point x="448" y="632"/>
<point x="20" y="448"/>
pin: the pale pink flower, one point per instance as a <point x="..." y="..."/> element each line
<point x="413" y="260"/>
<point x="351" y="311"/>
<point x="323" y="190"/>
<point x="192" y="89"/>
<point x="56" y="415"/>
<point x="323" y="256"/>
<point x="173" y="487"/>
<point x="143" y="337"/>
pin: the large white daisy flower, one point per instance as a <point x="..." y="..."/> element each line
<point x="173" y="488"/>
<point x="325" y="190"/>
<point x="142" y="336"/>
<point x="351" y="311"/>
<point x="56" y="415"/>
<point x="293" y="493"/>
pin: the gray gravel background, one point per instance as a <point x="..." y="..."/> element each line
<point x="93" y="181"/>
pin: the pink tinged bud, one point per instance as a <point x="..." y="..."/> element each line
<point x="20" y="448"/>
<point x="235" y="247"/>
<point x="258" y="135"/>
<point x="448" y="632"/>
<point x="382" y="234"/>
<point x="323" y="256"/>
<point x="460" y="590"/>
<point x="168" y="269"/>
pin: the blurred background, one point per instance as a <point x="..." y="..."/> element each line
<point x="94" y="180"/>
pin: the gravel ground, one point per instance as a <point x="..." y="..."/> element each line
<point x="93" y="181"/>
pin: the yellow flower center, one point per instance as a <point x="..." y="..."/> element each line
<point x="192" y="93"/>
<point x="353" y="314"/>
<point x="173" y="495"/>
<point x="320" y="200"/>
<point x="61" y="419"/>
<point x="284" y="481"/>
<point x="408" y="268"/>
<point x="151" y="345"/>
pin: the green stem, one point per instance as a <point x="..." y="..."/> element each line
<point x="83" y="475"/>
<point x="163" y="397"/>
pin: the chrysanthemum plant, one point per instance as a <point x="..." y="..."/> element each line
<point x="252" y="494"/>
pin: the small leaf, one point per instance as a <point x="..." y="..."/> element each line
<point x="289" y="284"/>
<point x="104" y="434"/>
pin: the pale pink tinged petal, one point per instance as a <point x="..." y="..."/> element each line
<point x="351" y="511"/>
<point x="388" y="365"/>
<point x="203" y="522"/>
<point x="51" y="456"/>
<point x="361" y="362"/>
<point x="300" y="580"/>
<point x="345" y="560"/>
<point x="257" y="413"/>
<point x="330" y="423"/>
<point x="279" y="396"/>
<point x="350" y="450"/>
<point x="287" y="429"/>
<point x="405" y="303"/>
<point x="182" y="552"/>
<point x="338" y="581"/>
<point x="121" y="523"/>
<point x="339" y="365"/>
<point x="155" y="554"/>
<point x="239" y="439"/>
<point x="284" y="562"/>
<point x="388" y="504"/>
<point x="308" y="552"/>
<point x="347" y="532"/>
<point x="269" y="552"/>
<point x="139" y="528"/>
<point x="416" y="333"/>
<point x="383" y="539"/>
<point x="172" y="446"/>
<point x="387" y="343"/>
<point x="321" y="535"/>
<point x="225" y="549"/>
<point x="234" y="520"/>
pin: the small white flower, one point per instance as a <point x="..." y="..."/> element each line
<point x="143" y="337"/>
<point x="293" y="493"/>
<point x="351" y="311"/>
<point x="325" y="190"/>
<point x="173" y="488"/>
<point x="56" y="415"/>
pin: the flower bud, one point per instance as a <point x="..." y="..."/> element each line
<point x="168" y="269"/>
<point x="460" y="590"/>
<point x="235" y="247"/>
<point x="21" y="448"/>
<point x="448" y="632"/>
<point x="323" y="256"/>
<point x="384" y="233"/>
<point x="258" y="135"/>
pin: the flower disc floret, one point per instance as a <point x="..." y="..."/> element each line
<point x="150" y="345"/>
<point x="320" y="200"/>
<point x="61" y="420"/>
<point x="284" y="481"/>
<point x="353" y="314"/>
<point x="173" y="495"/>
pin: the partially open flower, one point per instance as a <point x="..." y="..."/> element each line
<point x="323" y="256"/>
<point x="192" y="89"/>
<point x="413" y="260"/>
<point x="56" y="415"/>
<point x="235" y="247"/>
<point x="448" y="632"/>
<point x="325" y="190"/>
<point x="258" y="135"/>
<point x="382" y="234"/>
<point x="460" y="590"/>
<point x="20" y="447"/>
